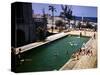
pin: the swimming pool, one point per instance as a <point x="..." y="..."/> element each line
<point x="51" y="56"/>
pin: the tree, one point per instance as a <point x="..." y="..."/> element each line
<point x="43" y="11"/>
<point x="41" y="33"/>
<point x="44" y="22"/>
<point x="52" y="9"/>
<point x="60" y="24"/>
<point x="88" y="25"/>
<point x="44" y="19"/>
<point x="67" y="12"/>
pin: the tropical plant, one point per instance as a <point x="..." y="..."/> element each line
<point x="67" y="12"/>
<point x="88" y="25"/>
<point x="52" y="9"/>
<point x="44" y="18"/>
<point x="59" y="24"/>
<point x="41" y="33"/>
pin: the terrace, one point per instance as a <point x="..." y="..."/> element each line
<point x="85" y="61"/>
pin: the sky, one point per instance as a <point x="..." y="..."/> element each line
<point x="81" y="11"/>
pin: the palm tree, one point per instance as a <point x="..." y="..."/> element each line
<point x="43" y="11"/>
<point x="63" y="14"/>
<point x="67" y="12"/>
<point x="45" y="22"/>
<point x="52" y="9"/>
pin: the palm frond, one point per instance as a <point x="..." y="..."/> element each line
<point x="62" y="7"/>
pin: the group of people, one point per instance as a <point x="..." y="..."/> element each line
<point x="85" y="52"/>
<point x="82" y="52"/>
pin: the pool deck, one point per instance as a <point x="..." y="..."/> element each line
<point x="85" y="61"/>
